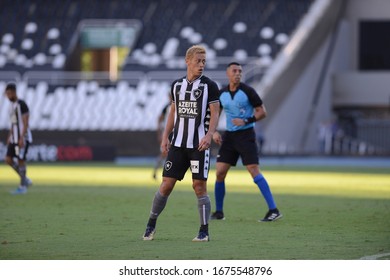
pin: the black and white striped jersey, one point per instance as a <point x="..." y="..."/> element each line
<point x="17" y="110"/>
<point x="192" y="116"/>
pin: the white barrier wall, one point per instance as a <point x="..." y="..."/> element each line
<point x="87" y="106"/>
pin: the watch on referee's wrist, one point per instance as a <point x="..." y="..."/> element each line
<point x="250" y="120"/>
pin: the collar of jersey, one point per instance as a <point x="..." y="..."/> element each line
<point x="194" y="80"/>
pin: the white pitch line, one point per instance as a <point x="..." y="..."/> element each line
<point x="375" y="257"/>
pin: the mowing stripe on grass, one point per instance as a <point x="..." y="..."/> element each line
<point x="363" y="184"/>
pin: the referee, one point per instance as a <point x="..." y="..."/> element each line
<point x="243" y="107"/>
<point x="192" y="120"/>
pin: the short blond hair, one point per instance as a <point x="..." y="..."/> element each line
<point x="194" y="50"/>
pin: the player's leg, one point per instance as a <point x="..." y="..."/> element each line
<point x="24" y="180"/>
<point x="174" y="169"/>
<point x="200" y="165"/>
<point x="15" y="165"/>
<point x="9" y="158"/>
<point x="22" y="172"/>
<point x="159" y="202"/>
<point x="204" y="208"/>
<point x="161" y="196"/>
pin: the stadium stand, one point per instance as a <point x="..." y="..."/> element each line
<point x="42" y="40"/>
<point x="38" y="38"/>
<point x="42" y="37"/>
<point x="37" y="41"/>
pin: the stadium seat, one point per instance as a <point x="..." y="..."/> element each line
<point x="41" y="39"/>
<point x="37" y="32"/>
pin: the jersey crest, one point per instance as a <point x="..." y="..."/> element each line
<point x="197" y="93"/>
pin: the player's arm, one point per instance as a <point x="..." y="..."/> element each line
<point x="168" y="129"/>
<point x="217" y="136"/>
<point x="205" y="142"/>
<point x="25" y="120"/>
<point x="160" y="122"/>
<point x="9" y="137"/>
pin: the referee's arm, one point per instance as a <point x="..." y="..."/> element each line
<point x="260" y="112"/>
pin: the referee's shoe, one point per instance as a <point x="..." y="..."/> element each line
<point x="217" y="215"/>
<point x="272" y="215"/>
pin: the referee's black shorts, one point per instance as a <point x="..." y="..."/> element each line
<point x="238" y="143"/>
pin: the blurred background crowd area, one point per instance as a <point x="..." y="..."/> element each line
<point x="96" y="74"/>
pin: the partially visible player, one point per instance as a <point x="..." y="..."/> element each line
<point x="243" y="107"/>
<point x="19" y="138"/>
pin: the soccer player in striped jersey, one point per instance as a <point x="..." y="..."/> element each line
<point x="192" y="120"/>
<point x="243" y="107"/>
<point x="19" y="138"/>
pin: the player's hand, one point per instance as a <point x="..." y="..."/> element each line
<point x="164" y="154"/>
<point x="238" y="122"/>
<point x="21" y="142"/>
<point x="165" y="145"/>
<point x="204" y="143"/>
<point x="217" y="138"/>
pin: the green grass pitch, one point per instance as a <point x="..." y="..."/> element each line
<point x="99" y="211"/>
